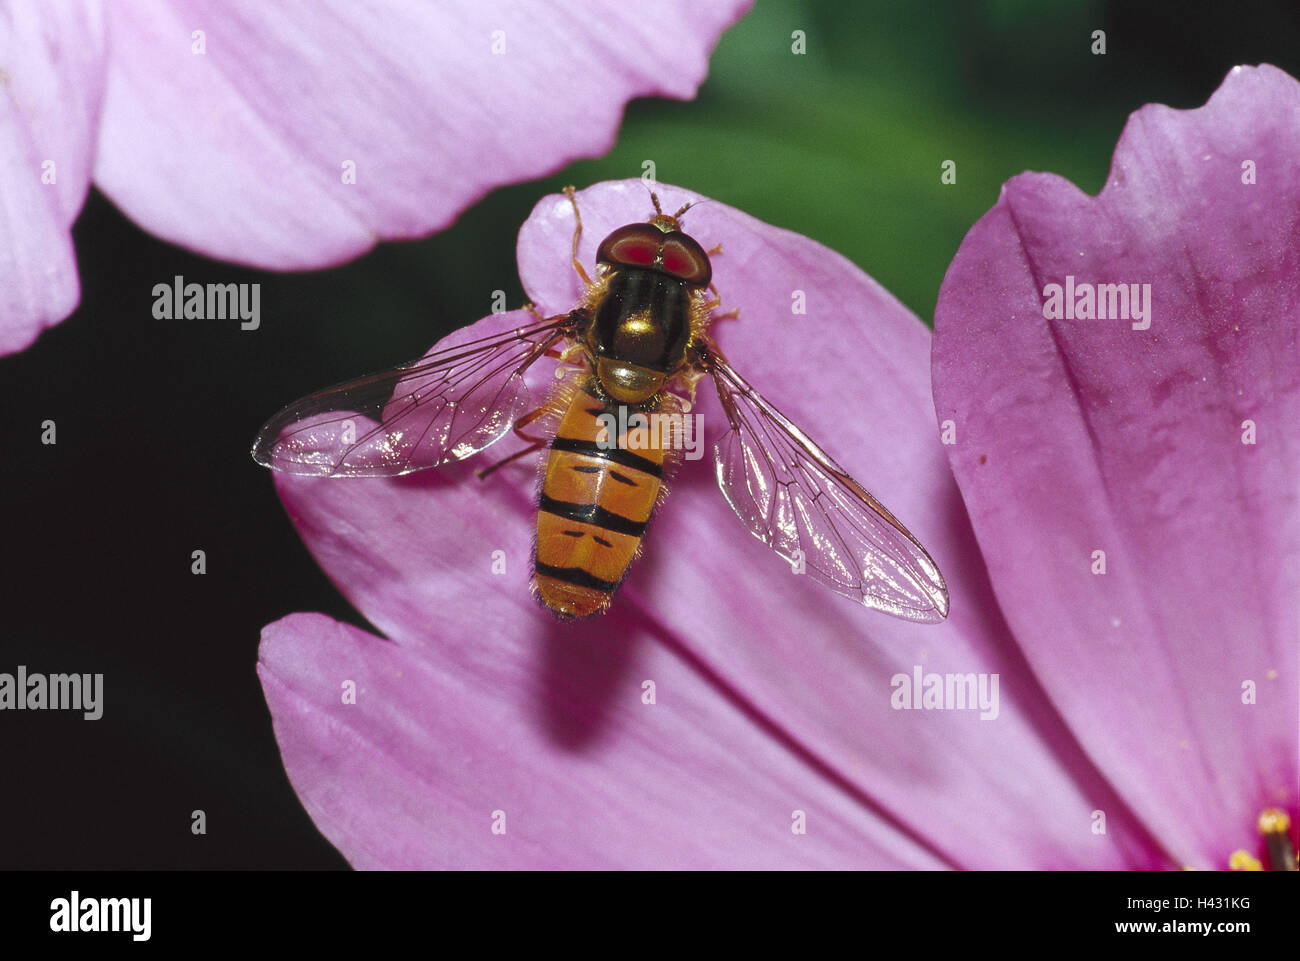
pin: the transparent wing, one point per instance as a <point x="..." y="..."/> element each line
<point x="803" y="505"/>
<point x="446" y="406"/>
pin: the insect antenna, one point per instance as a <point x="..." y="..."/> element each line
<point x="689" y="205"/>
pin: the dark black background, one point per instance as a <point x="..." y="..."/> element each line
<point x="154" y="420"/>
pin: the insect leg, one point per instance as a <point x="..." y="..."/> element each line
<point x="535" y="443"/>
<point x="717" y="297"/>
<point x="532" y="448"/>
<point x="715" y="303"/>
<point x="577" y="234"/>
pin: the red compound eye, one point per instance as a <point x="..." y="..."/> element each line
<point x="685" y="258"/>
<point x="635" y="245"/>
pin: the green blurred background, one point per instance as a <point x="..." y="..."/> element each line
<point x="843" y="144"/>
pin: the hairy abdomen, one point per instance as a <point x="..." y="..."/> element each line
<point x="595" y="504"/>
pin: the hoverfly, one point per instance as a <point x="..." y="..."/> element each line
<point x="637" y="339"/>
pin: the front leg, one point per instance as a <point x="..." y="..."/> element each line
<point x="577" y="235"/>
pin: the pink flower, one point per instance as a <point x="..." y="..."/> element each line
<point x="295" y="136"/>
<point x="1171" y="448"/>
<point x="484" y="733"/>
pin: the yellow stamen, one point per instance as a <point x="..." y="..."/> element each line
<point x="1274" y="824"/>
<point x="1241" y="861"/>
<point x="1273" y="821"/>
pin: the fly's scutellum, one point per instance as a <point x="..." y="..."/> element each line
<point x="636" y="342"/>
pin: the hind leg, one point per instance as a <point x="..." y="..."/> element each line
<point x="535" y="443"/>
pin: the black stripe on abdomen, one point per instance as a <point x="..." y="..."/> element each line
<point x="592" y="514"/>
<point x="615" y="454"/>
<point x="576" y="576"/>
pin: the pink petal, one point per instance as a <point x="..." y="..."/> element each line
<point x="444" y="734"/>
<point x="1085" y="435"/>
<point x="239" y="152"/>
<point x="811" y="672"/>
<point x="49" y="104"/>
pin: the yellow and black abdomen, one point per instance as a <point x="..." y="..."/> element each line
<point x="597" y="497"/>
